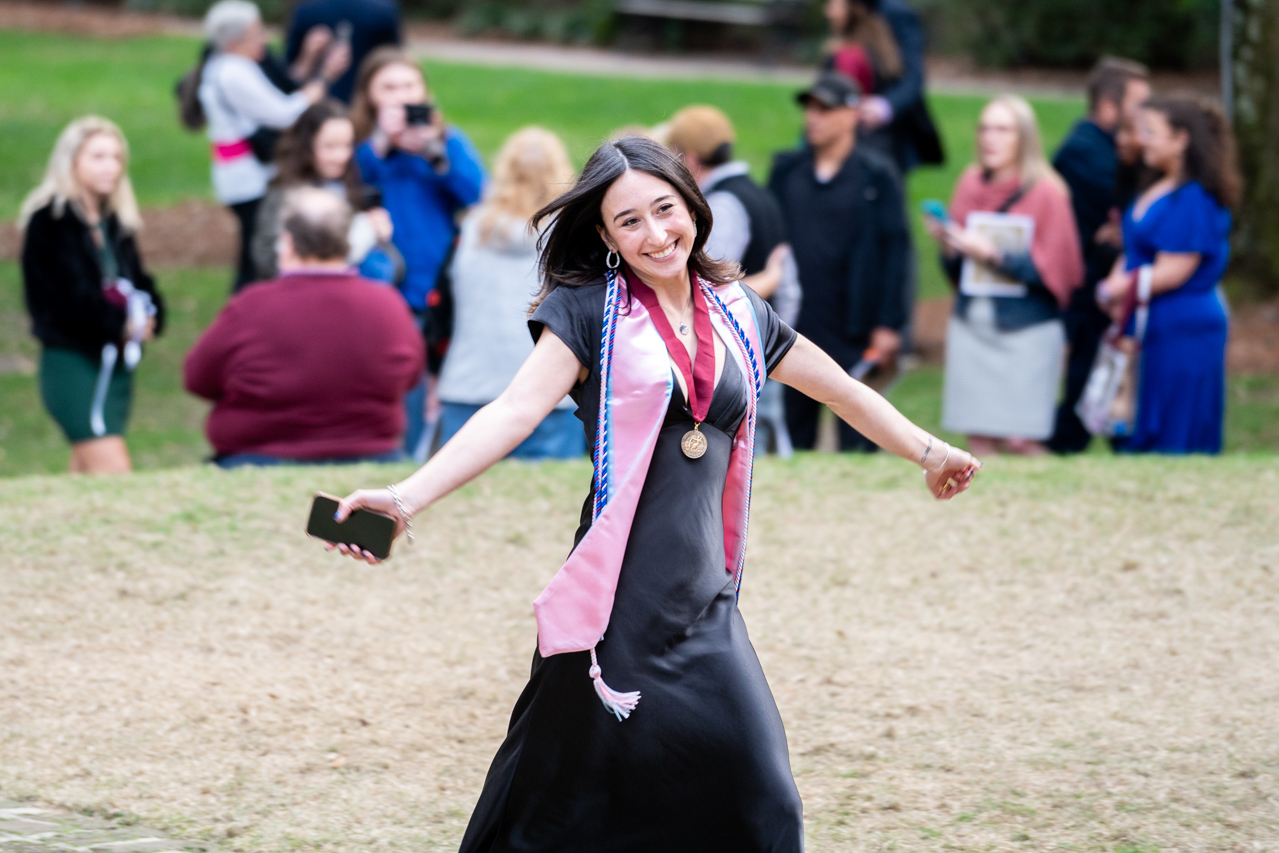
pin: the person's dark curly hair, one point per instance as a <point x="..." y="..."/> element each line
<point x="1210" y="151"/>
<point x="571" y="253"/>
<point x="295" y="153"/>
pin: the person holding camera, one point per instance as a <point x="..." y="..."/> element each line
<point x="319" y="151"/>
<point x="427" y="172"/>
<point x="310" y="367"/>
<point x="92" y="302"/>
<point x="239" y="101"/>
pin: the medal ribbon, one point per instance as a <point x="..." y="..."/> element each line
<point x="699" y="376"/>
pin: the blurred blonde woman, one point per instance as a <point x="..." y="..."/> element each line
<point x="494" y="278"/>
<point x="92" y="302"/>
<point x="1004" y="353"/>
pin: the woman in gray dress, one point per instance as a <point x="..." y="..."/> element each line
<point x="1005" y="344"/>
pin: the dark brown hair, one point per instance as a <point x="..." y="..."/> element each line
<point x="1109" y="79"/>
<point x="363" y="112"/>
<point x="1210" y="152"/>
<point x="295" y="153"/>
<point x="570" y="251"/>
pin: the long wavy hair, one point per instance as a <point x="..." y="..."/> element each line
<point x="61" y="187"/>
<point x="295" y="153"/>
<point x="571" y="253"/>
<point x="363" y="111"/>
<point x="531" y="170"/>
<point x="1032" y="165"/>
<point x="1210" y="155"/>
<point x="864" y="26"/>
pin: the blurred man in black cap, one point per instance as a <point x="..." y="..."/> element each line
<point x="847" y="226"/>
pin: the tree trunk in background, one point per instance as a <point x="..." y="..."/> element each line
<point x="1256" y="122"/>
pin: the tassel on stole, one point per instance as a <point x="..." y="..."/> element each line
<point x="619" y="705"/>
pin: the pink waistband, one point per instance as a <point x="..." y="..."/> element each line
<point x="224" y="151"/>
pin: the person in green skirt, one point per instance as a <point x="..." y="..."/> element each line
<point x="91" y="301"/>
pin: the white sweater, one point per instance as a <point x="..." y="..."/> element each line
<point x="238" y="99"/>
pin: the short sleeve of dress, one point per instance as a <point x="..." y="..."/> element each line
<point x="575" y="315"/>
<point x="778" y="337"/>
<point x="1191" y="222"/>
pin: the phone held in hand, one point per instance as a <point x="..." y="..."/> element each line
<point x="417" y="114"/>
<point x="365" y="529"/>
<point x="934" y="208"/>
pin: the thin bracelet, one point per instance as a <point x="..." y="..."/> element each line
<point x="927" y="450"/>
<point x="399" y="505"/>
<point x="944" y="460"/>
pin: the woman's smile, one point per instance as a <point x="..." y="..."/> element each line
<point x="665" y="252"/>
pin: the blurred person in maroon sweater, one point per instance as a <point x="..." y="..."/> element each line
<point x="313" y="366"/>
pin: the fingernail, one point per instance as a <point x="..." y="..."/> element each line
<point x="336" y="514"/>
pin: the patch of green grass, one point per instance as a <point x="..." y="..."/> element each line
<point x="166" y="428"/>
<point x="48" y="79"/>
<point x="167" y="424"/>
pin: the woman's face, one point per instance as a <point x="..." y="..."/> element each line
<point x="332" y="148"/>
<point x="396" y="85"/>
<point x="836" y="12"/>
<point x="1128" y="143"/>
<point x="99" y="164"/>
<point x="997" y="140"/>
<point x="1162" y="147"/>
<point x="649" y="223"/>
<point x="252" y="44"/>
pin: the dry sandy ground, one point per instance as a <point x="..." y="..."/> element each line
<point x="1076" y="655"/>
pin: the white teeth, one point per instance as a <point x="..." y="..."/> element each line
<point x="666" y="253"/>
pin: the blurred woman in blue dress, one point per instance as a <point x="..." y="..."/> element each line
<point x="1180" y="228"/>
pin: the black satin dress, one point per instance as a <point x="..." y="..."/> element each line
<point x="701" y="764"/>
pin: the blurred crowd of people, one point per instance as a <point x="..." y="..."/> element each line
<point x="383" y="280"/>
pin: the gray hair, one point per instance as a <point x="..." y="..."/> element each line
<point x="226" y="22"/>
<point x="318" y="220"/>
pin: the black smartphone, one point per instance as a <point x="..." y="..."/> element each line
<point x="367" y="530"/>
<point x="417" y="114"/>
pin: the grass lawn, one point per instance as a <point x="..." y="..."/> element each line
<point x="1075" y="655"/>
<point x="45" y="80"/>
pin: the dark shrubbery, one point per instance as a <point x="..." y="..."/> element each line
<point x="1064" y="33"/>
<point x="1074" y="33"/>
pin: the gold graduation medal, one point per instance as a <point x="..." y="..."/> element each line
<point x="693" y="443"/>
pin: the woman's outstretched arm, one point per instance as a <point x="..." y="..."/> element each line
<point x="493" y="432"/>
<point x="809" y="370"/>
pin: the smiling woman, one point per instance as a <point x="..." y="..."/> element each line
<point x="649" y="593"/>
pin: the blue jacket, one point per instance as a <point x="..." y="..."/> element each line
<point x="424" y="206"/>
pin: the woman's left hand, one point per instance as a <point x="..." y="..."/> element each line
<point x="971" y="244"/>
<point x="954" y="476"/>
<point x="381" y="222"/>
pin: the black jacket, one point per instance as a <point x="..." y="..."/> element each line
<point x="374" y="23"/>
<point x="851" y="245"/>
<point x="768" y="227"/>
<point x="62" y="279"/>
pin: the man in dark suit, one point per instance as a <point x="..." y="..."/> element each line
<point x="1089" y="163"/>
<point x="369" y="24"/>
<point x="847" y="227"/>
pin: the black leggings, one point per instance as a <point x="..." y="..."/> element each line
<point x="246" y="212"/>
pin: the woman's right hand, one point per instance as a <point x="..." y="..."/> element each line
<point x="377" y="500"/>
<point x="954" y="476"/>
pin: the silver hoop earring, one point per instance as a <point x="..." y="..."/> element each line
<point x="610" y="263"/>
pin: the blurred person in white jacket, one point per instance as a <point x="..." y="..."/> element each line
<point x="239" y="102"/>
<point x="493" y="280"/>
